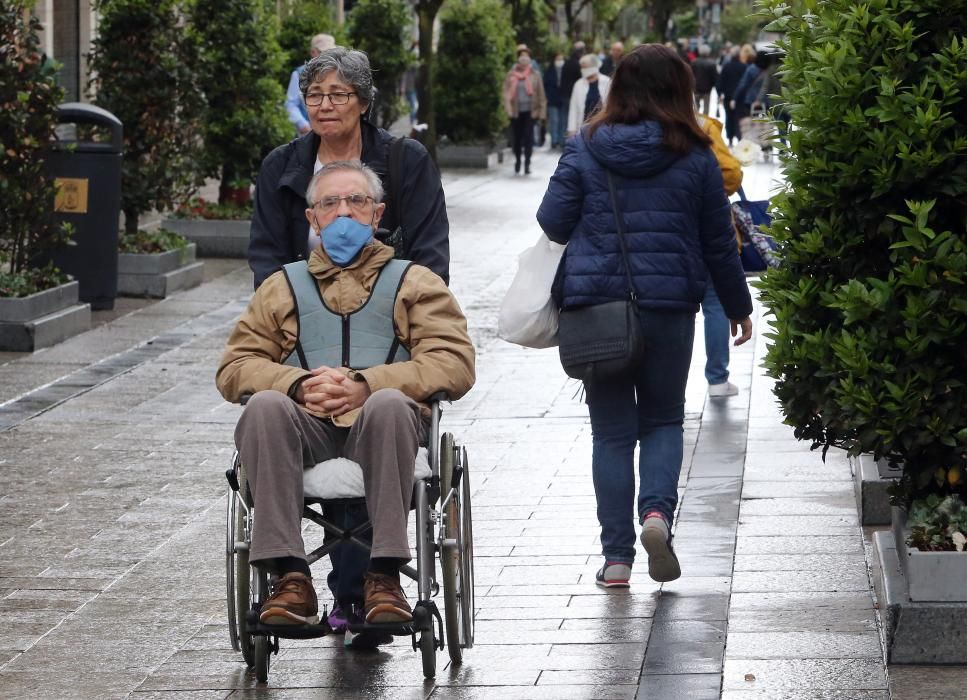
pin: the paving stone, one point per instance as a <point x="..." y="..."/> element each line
<point x="843" y="543"/>
<point x="583" y="691"/>
<point x="846" y="578"/>
<point x="694" y="686"/>
<point x="808" y="694"/>
<point x="685" y="647"/>
<point x="799" y="645"/>
<point x="934" y="682"/>
<point x="785" y="675"/>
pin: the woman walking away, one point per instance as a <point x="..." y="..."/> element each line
<point x="525" y="102"/>
<point x="678" y="233"/>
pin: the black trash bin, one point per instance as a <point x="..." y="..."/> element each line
<point x="88" y="177"/>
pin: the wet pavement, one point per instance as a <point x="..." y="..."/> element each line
<point x="113" y="447"/>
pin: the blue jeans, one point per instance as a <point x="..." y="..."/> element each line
<point x="647" y="408"/>
<point x="717" y="332"/>
<point x="556" y="121"/>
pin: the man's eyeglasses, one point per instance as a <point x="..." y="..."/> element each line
<point x="357" y="202"/>
<point x="314" y="99"/>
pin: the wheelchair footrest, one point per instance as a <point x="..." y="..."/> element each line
<point x="397" y="629"/>
<point x="291" y="631"/>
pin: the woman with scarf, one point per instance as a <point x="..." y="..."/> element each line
<point x="525" y="102"/>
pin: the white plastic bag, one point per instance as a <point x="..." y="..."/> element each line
<point x="528" y="315"/>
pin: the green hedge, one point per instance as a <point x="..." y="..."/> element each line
<point x="869" y="347"/>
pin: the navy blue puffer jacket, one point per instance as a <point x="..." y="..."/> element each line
<point x="677" y="221"/>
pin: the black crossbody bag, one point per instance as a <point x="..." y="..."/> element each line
<point x="603" y="341"/>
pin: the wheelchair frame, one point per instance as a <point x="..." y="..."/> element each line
<point x="443" y="527"/>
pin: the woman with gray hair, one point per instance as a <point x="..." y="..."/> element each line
<point x="337" y="87"/>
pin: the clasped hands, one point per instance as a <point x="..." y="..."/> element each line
<point x="331" y="391"/>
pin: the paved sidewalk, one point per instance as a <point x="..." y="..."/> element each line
<point x="113" y="447"/>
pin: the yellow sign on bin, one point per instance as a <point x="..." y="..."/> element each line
<point x="71" y="195"/>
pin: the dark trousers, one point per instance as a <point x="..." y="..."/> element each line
<point x="731" y="122"/>
<point x="523" y="130"/>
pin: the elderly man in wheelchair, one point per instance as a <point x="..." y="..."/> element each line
<point x="339" y="355"/>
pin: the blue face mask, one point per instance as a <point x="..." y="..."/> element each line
<point x="344" y="238"/>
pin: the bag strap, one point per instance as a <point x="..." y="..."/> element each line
<point x="394" y="171"/>
<point x="619" y="222"/>
<point x="742" y="194"/>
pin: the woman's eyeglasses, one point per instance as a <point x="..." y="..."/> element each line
<point x="314" y="99"/>
<point x="357" y="202"/>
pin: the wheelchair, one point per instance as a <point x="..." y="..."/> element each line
<point x="444" y="530"/>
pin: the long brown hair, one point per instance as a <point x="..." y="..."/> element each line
<point x="654" y="83"/>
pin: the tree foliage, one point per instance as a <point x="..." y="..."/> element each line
<point x="870" y="304"/>
<point x="476" y="46"/>
<point x="381" y="29"/>
<point x="142" y="73"/>
<point x="660" y="11"/>
<point x="740" y="22"/>
<point x="28" y="105"/>
<point x="240" y="60"/>
<point x="531" y="22"/>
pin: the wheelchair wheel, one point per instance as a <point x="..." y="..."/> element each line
<point x="243" y="598"/>
<point x="428" y="652"/>
<point x="262" y="647"/>
<point x="230" y="582"/>
<point x="456" y="554"/>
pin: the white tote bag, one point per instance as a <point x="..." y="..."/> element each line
<point x="528" y="315"/>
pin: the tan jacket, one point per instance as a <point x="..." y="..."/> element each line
<point x="427" y="318"/>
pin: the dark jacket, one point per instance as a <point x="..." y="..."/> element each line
<point x="552" y="86"/>
<point x="570" y="74"/>
<point x="678" y="223"/>
<point x="729" y="78"/>
<point x="748" y="88"/>
<point x="280" y="231"/>
<point x="706" y="72"/>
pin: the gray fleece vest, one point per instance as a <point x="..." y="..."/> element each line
<point x="364" y="338"/>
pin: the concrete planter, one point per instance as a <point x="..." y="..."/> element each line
<point x="157" y="275"/>
<point x="466" y="156"/>
<point x="42" y="319"/>
<point x="871" y="479"/>
<point x="939" y="577"/>
<point x="215" y="238"/>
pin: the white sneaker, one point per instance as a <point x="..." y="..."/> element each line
<point x="662" y="563"/>
<point x="722" y="390"/>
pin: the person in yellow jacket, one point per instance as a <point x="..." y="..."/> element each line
<point x="716" y="323"/>
<point x="302" y="412"/>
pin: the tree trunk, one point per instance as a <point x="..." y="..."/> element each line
<point x="426" y="11"/>
<point x="131" y="217"/>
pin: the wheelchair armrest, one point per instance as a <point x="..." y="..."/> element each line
<point x="438" y="397"/>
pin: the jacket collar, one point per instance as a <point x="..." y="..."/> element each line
<point x="301" y="162"/>
<point x="375" y="254"/>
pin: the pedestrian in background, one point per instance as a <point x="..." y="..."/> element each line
<point x="728" y="81"/>
<point x="525" y="104"/>
<point x="295" y="107"/>
<point x="748" y="89"/>
<point x="588" y="95"/>
<point x="556" y="106"/>
<point x="706" y="73"/>
<point x="678" y="233"/>
<point x="571" y="72"/>
<point x="611" y="61"/>
<point x="716" y="323"/>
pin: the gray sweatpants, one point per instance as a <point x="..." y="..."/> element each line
<point x="277" y="441"/>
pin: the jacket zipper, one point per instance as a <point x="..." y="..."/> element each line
<point x="345" y="340"/>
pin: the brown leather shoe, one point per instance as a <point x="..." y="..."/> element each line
<point x="293" y="602"/>
<point x="385" y="601"/>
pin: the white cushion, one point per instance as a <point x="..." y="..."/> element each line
<point x="343" y="478"/>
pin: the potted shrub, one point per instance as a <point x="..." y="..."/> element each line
<point x="38" y="304"/>
<point x="381" y="29"/>
<point x="870" y="304"/>
<point x="141" y="72"/>
<point x="244" y="118"/>
<point x="476" y="46"/>
<point x="156" y="263"/>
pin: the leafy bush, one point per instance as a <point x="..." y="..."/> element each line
<point x="141" y="67"/>
<point x="381" y="29"/>
<point x="475" y="52"/>
<point x="31" y="280"/>
<point x="28" y="106"/>
<point x="870" y="303"/>
<point x="938" y="524"/>
<point x="198" y="208"/>
<point x="156" y="241"/>
<point x="239" y="65"/>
